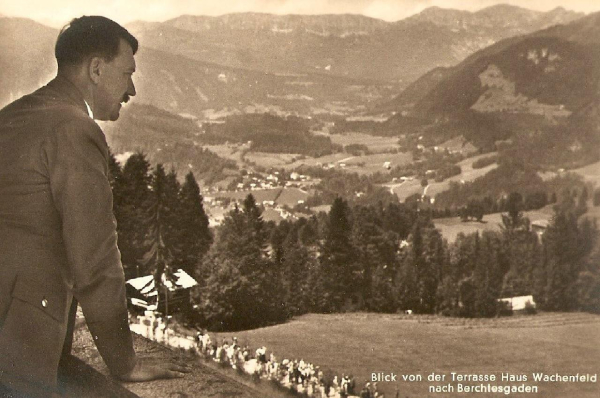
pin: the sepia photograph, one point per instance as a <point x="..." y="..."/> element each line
<point x="299" y="198"/>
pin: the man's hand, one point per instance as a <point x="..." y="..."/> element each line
<point x="152" y="369"/>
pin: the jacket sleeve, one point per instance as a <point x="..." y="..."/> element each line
<point x="77" y="161"/>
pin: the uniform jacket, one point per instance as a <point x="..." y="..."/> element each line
<point x="57" y="239"/>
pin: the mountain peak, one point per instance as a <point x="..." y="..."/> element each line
<point x="326" y="24"/>
<point x="504" y="8"/>
<point x="558" y="9"/>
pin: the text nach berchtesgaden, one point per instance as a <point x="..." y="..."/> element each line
<point x="501" y="383"/>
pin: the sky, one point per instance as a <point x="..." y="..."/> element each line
<point x="56" y="13"/>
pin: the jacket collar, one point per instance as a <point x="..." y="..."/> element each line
<point x="63" y="89"/>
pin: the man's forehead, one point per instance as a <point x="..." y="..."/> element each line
<point x="125" y="57"/>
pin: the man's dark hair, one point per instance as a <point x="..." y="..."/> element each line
<point x="91" y="36"/>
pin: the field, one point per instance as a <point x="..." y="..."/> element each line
<point x="374" y="143"/>
<point x="364" y="164"/>
<point x="260" y="195"/>
<point x="360" y="344"/>
<point x="590" y="173"/>
<point x="468" y="174"/>
<point x="451" y="227"/>
<point x="281" y="196"/>
<point x="268" y="160"/>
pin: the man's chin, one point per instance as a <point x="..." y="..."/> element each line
<point x="115" y="115"/>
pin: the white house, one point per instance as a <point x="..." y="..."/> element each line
<point x="518" y="303"/>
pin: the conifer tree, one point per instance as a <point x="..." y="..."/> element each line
<point x="431" y="270"/>
<point x="114" y="175"/>
<point x="561" y="262"/>
<point x="399" y="219"/>
<point x="240" y="285"/>
<point x="466" y="261"/>
<point x="376" y="258"/>
<point x="297" y="263"/>
<point x="277" y="239"/>
<point x="194" y="236"/>
<point x="513" y="220"/>
<point x="337" y="262"/>
<point x="407" y="285"/>
<point x="132" y="192"/>
<point x="488" y="275"/>
<point x="522" y="249"/>
<point x="161" y="225"/>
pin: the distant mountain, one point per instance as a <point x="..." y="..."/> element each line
<point x="511" y="20"/>
<point x="585" y="30"/>
<point x="415" y="91"/>
<point x="179" y="84"/>
<point x="165" y="138"/>
<point x="340" y="64"/>
<point x="201" y="89"/>
<point x="321" y="25"/>
<point x="539" y="90"/>
<point x="26" y="57"/>
<point x="341" y="44"/>
<point x="556" y="66"/>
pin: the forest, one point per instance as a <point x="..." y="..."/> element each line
<point x="374" y="257"/>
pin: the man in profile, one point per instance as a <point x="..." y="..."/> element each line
<point x="58" y="240"/>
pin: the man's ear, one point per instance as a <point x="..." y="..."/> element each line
<point x="95" y="69"/>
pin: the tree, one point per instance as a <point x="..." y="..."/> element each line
<point x="161" y="226"/>
<point x="475" y="209"/>
<point x="596" y="199"/>
<point x="447" y="301"/>
<point x="114" y="173"/>
<point x="194" y="236"/>
<point x="464" y="258"/>
<point x="337" y="263"/>
<point x="522" y="249"/>
<point x="277" y="239"/>
<point x="376" y="259"/>
<point x="421" y="268"/>
<point x="296" y="264"/>
<point x="399" y="219"/>
<point x="582" y="201"/>
<point x="161" y="222"/>
<point x="408" y="287"/>
<point x="238" y="274"/>
<point x="130" y="194"/>
<point x="564" y="247"/>
<point x="588" y="291"/>
<point x="434" y="261"/>
<point x="514" y="207"/>
<point x="487" y="276"/>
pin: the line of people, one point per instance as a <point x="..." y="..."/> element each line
<point x="298" y="375"/>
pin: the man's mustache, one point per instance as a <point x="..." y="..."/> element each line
<point x="125" y="99"/>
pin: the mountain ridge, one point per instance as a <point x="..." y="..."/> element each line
<point x="323" y="69"/>
<point x="399" y="51"/>
<point x="536" y="96"/>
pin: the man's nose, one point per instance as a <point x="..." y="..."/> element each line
<point x="131" y="88"/>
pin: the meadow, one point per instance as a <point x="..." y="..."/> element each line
<point x="362" y="343"/>
<point x="452" y="226"/>
<point x="468" y="174"/>
<point x="374" y="143"/>
<point x="281" y="196"/>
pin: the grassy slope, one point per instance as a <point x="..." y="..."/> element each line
<point x="451" y="227"/>
<point x="468" y="174"/>
<point x="359" y="344"/>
